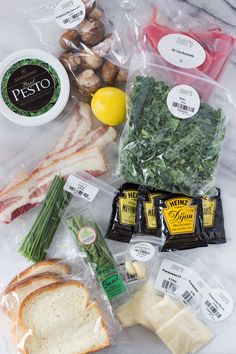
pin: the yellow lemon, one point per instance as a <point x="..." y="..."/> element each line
<point x="109" y="105"/>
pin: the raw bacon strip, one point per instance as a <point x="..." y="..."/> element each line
<point x="99" y="137"/>
<point x="102" y="136"/>
<point x="79" y="126"/>
<point x="32" y="192"/>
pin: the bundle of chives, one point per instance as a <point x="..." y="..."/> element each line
<point x="35" y="245"/>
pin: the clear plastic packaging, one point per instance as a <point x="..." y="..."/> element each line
<point x="66" y="291"/>
<point x="140" y="257"/>
<point x="183" y="302"/>
<point x="174" y="134"/>
<point x="169" y="29"/>
<point x="90" y="193"/>
<point x="94" y="249"/>
<point x="79" y="34"/>
<point x="68" y="145"/>
<point x="194" y="283"/>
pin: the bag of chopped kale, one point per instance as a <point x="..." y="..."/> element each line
<point x="174" y="133"/>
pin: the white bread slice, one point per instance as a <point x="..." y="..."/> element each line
<point x="59" y="320"/>
<point x="51" y="265"/>
<point x="16" y="292"/>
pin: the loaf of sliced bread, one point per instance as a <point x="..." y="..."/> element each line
<point x="59" y="320"/>
<point x="51" y="265"/>
<point x="17" y="291"/>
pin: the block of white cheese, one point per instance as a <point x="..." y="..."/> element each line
<point x="184" y="333"/>
<point x="132" y="312"/>
<point x="158" y="314"/>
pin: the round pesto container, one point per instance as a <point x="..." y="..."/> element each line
<point x="34" y="87"/>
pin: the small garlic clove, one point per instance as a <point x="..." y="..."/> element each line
<point x="139" y="269"/>
<point x="129" y="268"/>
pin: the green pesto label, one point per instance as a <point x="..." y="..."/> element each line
<point x="30" y="87"/>
<point x="111" y="280"/>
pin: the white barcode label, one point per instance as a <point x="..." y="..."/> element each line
<point x="142" y="251"/>
<point x="217" y="305"/>
<point x="183" y="101"/>
<point x="171" y="276"/>
<point x="168" y="285"/>
<point x="70" y="13"/>
<point x="213" y="309"/>
<point x="183" y="107"/>
<point x="191" y="292"/>
<point x="80" y="188"/>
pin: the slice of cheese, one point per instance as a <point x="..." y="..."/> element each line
<point x="161" y="312"/>
<point x="184" y="333"/>
<point x="132" y="312"/>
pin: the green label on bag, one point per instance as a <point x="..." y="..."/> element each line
<point x="110" y="280"/>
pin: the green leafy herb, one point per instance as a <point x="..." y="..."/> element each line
<point x="35" y="245"/>
<point x="98" y="254"/>
<point x="167" y="153"/>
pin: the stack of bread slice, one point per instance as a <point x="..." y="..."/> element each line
<point x="51" y="314"/>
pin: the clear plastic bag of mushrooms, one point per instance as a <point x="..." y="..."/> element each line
<point x="79" y="33"/>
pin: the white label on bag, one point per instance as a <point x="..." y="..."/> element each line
<point x="183" y="101"/>
<point x="120" y="261"/>
<point x="217" y="305"/>
<point x="70" y="13"/>
<point x="142" y="252"/>
<point x="171" y="276"/>
<point x="80" y="188"/>
<point x="181" y="50"/>
<point x="192" y="291"/>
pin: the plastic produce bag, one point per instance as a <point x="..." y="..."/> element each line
<point x="69" y="294"/>
<point x="90" y="193"/>
<point x="194" y="44"/>
<point x="71" y="144"/>
<point x="92" y="245"/>
<point x="196" y="282"/>
<point x="183" y="302"/>
<point x="140" y="257"/>
<point x="174" y="134"/>
<point x="79" y="34"/>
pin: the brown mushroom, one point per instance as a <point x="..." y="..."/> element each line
<point x="122" y="76"/>
<point x="91" y="32"/>
<point x="109" y="72"/>
<point x="103" y="47"/>
<point x="70" y="40"/>
<point x="90" y="60"/>
<point x="88" y="82"/>
<point x="70" y="60"/>
<point x="95" y="13"/>
<point x="89" y="5"/>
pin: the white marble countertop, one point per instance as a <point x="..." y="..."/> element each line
<point x="16" y="34"/>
